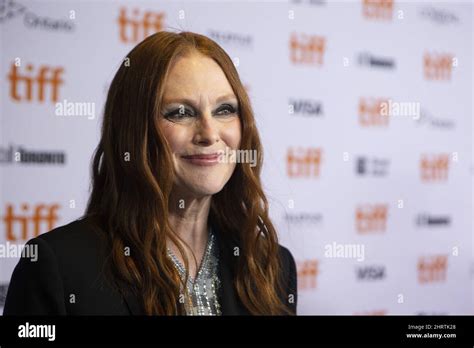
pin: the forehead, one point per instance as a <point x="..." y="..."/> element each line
<point x="196" y="76"/>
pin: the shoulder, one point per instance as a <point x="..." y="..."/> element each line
<point x="63" y="264"/>
<point x="289" y="275"/>
<point x="287" y="260"/>
<point x="286" y="254"/>
<point x="78" y="248"/>
<point x="75" y="235"/>
<point x="77" y="245"/>
<point x="75" y="251"/>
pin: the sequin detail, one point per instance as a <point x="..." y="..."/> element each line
<point x="202" y="293"/>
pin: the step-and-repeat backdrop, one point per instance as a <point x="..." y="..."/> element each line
<point x="364" y="107"/>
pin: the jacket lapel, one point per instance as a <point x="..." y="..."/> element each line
<point x="230" y="303"/>
<point x="227" y="294"/>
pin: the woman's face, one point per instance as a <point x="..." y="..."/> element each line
<point x="200" y="118"/>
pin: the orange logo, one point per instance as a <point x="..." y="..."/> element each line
<point x="138" y="26"/>
<point x="307" y="49"/>
<point x="307" y="274"/>
<point x="438" y="66"/>
<point x="371" y="218"/>
<point x="370" y="112"/>
<point x="29" y="219"/>
<point x="434" y="167"/>
<point x="372" y="312"/>
<point x="432" y="268"/>
<point x="377" y="9"/>
<point x="34" y="86"/>
<point x="307" y="162"/>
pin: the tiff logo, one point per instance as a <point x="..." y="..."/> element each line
<point x="29" y="220"/>
<point x="376" y="312"/>
<point x="371" y="218"/>
<point x="434" y="167"/>
<point x="134" y="26"/>
<point x="34" y="83"/>
<point x="370" y="112"/>
<point x="307" y="274"/>
<point x="432" y="268"/>
<point x="377" y="9"/>
<point x="304" y="162"/>
<point x="438" y="66"/>
<point x="307" y="49"/>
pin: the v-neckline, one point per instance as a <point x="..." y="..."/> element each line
<point x="181" y="267"/>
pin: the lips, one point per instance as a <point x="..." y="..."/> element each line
<point x="202" y="159"/>
<point x="203" y="156"/>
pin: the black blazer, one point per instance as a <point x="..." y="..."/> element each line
<point x="70" y="267"/>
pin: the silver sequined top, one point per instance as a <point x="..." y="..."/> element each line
<point x="202" y="299"/>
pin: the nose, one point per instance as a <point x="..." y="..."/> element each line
<point x="206" y="132"/>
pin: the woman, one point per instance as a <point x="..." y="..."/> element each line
<point x="172" y="225"/>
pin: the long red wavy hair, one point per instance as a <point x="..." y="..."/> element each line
<point x="129" y="199"/>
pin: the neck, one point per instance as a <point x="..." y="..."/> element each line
<point x="188" y="217"/>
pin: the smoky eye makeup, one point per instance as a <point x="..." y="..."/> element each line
<point x="183" y="111"/>
<point x="178" y="111"/>
<point x="227" y="109"/>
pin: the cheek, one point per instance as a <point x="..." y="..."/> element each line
<point x="232" y="134"/>
<point x="175" y="135"/>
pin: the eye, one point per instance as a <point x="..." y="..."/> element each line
<point x="226" y="109"/>
<point x="179" y="113"/>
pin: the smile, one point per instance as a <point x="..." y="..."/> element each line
<point x="203" y="160"/>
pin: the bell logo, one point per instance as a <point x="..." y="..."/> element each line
<point x="377" y="9"/>
<point x="307" y="274"/>
<point x="137" y="26"/>
<point x="370" y="112"/>
<point x="304" y="162"/>
<point x="437" y="66"/>
<point x="371" y="218"/>
<point x="34" y="84"/>
<point x="26" y="224"/>
<point x="307" y="49"/>
<point x="432" y="268"/>
<point x="434" y="167"/>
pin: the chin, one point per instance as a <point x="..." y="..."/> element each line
<point x="207" y="187"/>
<point x="204" y="184"/>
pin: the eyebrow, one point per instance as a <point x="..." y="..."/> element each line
<point x="193" y="103"/>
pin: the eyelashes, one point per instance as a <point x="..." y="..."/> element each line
<point x="230" y="109"/>
<point x="184" y="112"/>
